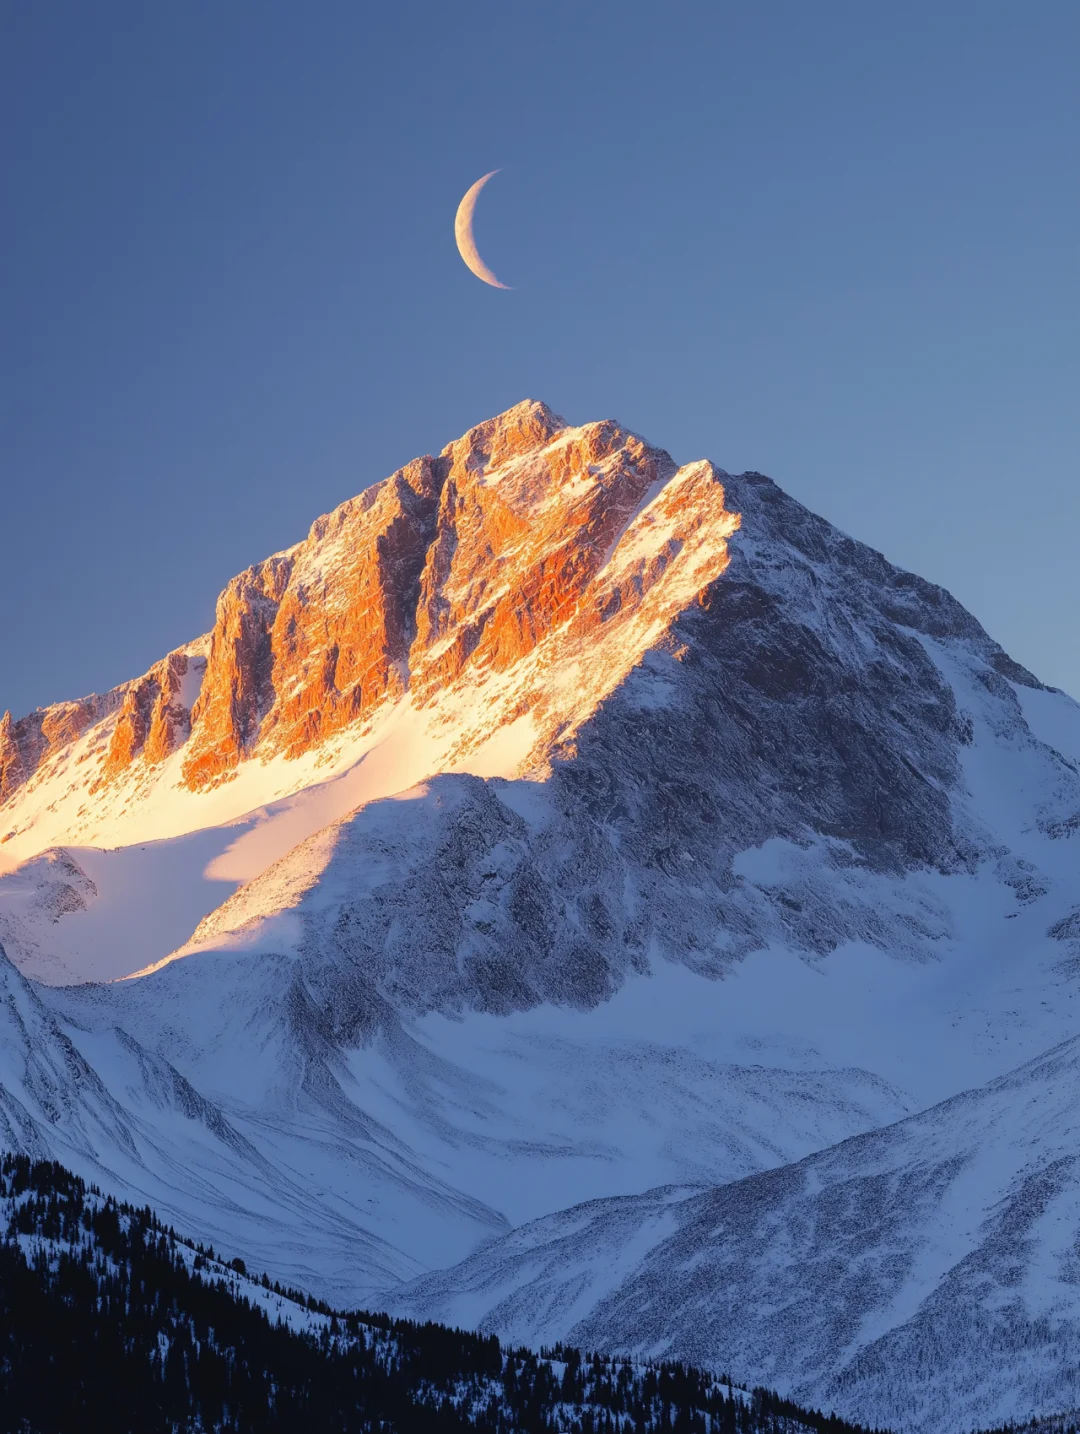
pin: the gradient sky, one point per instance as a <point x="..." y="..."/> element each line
<point x="836" y="242"/>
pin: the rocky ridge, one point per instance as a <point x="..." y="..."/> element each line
<point x="453" y="567"/>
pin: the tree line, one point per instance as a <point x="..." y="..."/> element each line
<point x="108" y="1318"/>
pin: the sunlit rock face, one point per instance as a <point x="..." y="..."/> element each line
<point x="27" y="742"/>
<point x="460" y="563"/>
<point x="141" y="722"/>
<point x="237" y="688"/>
<point x="153" y="719"/>
<point x="524" y="525"/>
<point x="522" y="533"/>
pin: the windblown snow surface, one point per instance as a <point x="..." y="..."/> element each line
<point x="639" y="1017"/>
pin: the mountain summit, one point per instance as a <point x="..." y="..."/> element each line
<point x="557" y="825"/>
<point x="498" y="565"/>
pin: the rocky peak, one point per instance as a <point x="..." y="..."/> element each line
<point x="451" y="567"/>
<point x="521" y="532"/>
<point x="527" y="426"/>
<point x="454" y="567"/>
<point x="512" y="581"/>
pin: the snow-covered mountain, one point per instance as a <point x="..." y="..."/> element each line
<point x="553" y="824"/>
<point x="922" y="1276"/>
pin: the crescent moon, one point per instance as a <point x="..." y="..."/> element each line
<point x="463" y="234"/>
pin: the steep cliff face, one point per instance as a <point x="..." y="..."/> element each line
<point x="146" y="720"/>
<point x="340" y="640"/>
<point x="238" y="686"/>
<point x="29" y="741"/>
<point x="454" y="566"/>
<point x="519" y="539"/>
<point x="154" y="718"/>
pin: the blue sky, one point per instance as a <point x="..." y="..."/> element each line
<point x="836" y="242"/>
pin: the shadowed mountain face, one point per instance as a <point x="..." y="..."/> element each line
<point x="552" y="824"/>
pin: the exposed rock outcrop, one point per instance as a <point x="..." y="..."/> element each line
<point x="26" y="743"/>
<point x="153" y="719"/>
<point x="237" y="689"/>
